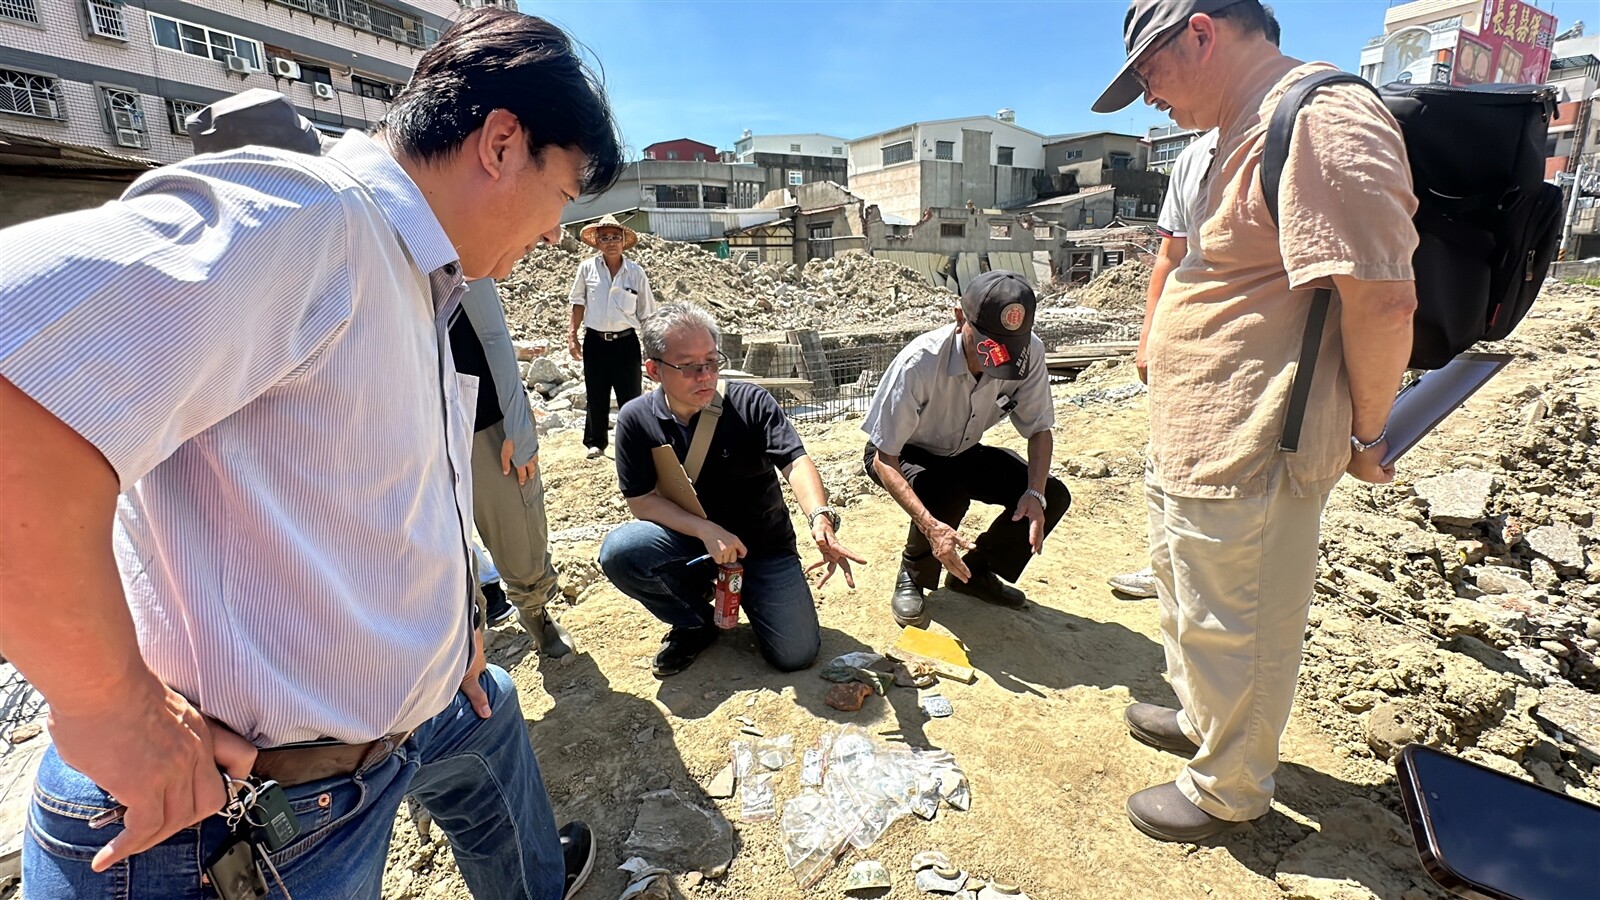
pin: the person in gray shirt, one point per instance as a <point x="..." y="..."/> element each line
<point x="924" y="427"/>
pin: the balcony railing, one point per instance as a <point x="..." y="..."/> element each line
<point x="358" y="14"/>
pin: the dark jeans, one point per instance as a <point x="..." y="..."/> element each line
<point x="477" y="777"/>
<point x="947" y="485"/>
<point x="608" y="367"/>
<point x="646" y="562"/>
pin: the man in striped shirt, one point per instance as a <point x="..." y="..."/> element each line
<point x="228" y="406"/>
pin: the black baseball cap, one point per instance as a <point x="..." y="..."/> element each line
<point x="1000" y="306"/>
<point x="1146" y="21"/>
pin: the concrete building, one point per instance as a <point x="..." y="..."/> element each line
<point x="121" y="75"/>
<point x="1461" y="42"/>
<point x="1099" y="158"/>
<point x="1166" y="142"/>
<point x="1575" y="139"/>
<point x="979" y="162"/>
<point x="681" y="150"/>
<point x="795" y="159"/>
<point x="664" y="184"/>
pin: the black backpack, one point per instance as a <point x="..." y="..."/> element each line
<point x="1487" y="221"/>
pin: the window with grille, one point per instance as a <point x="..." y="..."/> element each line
<point x="796" y="177"/>
<point x="28" y="94"/>
<point x="21" y="10"/>
<point x="178" y="113"/>
<point x="124" y="116"/>
<point x="952" y="229"/>
<point x="999" y="232"/>
<point x="1004" y="155"/>
<point x="838" y="151"/>
<point x="208" y="43"/>
<point x="1041" y="232"/>
<point x="105" y="19"/>
<point x="372" y="90"/>
<point x="897" y="153"/>
<point x="1075" y="154"/>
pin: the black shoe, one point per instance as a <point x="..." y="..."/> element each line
<point x="909" y="603"/>
<point x="500" y="609"/>
<point x="681" y="647"/>
<point x="988" y="587"/>
<point x="577" y="849"/>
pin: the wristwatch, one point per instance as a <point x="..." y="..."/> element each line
<point x="1039" y="497"/>
<point x="833" y="516"/>
<point x="1362" y="447"/>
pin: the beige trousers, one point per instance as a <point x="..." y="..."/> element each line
<point x="511" y="520"/>
<point x="1234" y="578"/>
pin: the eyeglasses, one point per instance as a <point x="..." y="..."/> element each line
<point x="1150" y="54"/>
<point x="695" y="370"/>
<point x="608" y="238"/>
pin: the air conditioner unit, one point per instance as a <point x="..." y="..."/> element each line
<point x="285" y="68"/>
<point x="130" y="137"/>
<point x="323" y="91"/>
<point x="360" y="20"/>
<point x="238" y="65"/>
<point x="297" y="4"/>
<point x="121" y="120"/>
<point x="320" y="8"/>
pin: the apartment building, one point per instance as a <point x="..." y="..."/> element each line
<point x="978" y="162"/>
<point x="122" y="75"/>
<point x="791" y="160"/>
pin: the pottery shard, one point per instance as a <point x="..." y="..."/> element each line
<point x="848" y="697"/>
<point x="1559" y="544"/>
<point x="1457" y="498"/>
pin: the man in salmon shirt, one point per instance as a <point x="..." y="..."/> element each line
<point x="1234" y="520"/>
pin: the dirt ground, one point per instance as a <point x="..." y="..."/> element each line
<point x="1040" y="734"/>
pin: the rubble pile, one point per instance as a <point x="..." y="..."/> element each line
<point x="1462" y="609"/>
<point x="847" y="291"/>
<point x="1121" y="288"/>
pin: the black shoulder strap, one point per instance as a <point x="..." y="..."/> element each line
<point x="1279" y="132"/>
<point x="1281" y="128"/>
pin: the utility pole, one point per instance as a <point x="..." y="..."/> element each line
<point x="1576" y="187"/>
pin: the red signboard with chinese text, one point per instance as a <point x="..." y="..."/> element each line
<point x="1512" y="46"/>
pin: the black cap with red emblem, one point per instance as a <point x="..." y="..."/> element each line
<point x="1000" y="306"/>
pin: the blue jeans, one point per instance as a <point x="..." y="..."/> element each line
<point x="647" y="562"/>
<point x="476" y="777"/>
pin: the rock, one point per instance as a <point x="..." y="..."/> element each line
<point x="1472" y="552"/>
<point x="27" y="732"/>
<point x="1559" y="544"/>
<point x="1086" y="467"/>
<point x="1543" y="575"/>
<point x="1390" y="726"/>
<point x="548" y="422"/>
<point x="722" y="784"/>
<point x="544" y="369"/>
<point x="1500" y="580"/>
<point x="1575" y="712"/>
<point x="1555" y="648"/>
<point x="1457" y="498"/>
<point x="673" y="833"/>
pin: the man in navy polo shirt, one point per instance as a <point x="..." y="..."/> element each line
<point x="746" y="517"/>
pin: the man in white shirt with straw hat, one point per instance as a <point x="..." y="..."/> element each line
<point x="610" y="295"/>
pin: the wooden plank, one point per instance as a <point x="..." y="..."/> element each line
<point x="1081" y="355"/>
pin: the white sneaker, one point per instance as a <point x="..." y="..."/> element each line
<point x="592" y="453"/>
<point x="1139" y="585"/>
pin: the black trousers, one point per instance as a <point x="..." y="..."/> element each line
<point x="608" y="367"/>
<point x="947" y="485"/>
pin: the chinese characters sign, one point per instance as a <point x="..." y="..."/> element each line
<point x="1512" y="46"/>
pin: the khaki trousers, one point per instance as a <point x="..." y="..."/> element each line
<point x="511" y="520"/>
<point x="1235" y="578"/>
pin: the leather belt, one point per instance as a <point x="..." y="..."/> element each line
<point x="289" y="766"/>
<point x="612" y="335"/>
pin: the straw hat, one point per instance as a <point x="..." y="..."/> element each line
<point x="591" y="231"/>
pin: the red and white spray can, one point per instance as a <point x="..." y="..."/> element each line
<point x="730" y="582"/>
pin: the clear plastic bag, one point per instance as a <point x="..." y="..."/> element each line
<point x="812" y="836"/>
<point x="757" y="800"/>
<point x="775" y="753"/>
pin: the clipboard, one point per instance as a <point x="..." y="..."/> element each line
<point x="1431" y="399"/>
<point x="672" y="482"/>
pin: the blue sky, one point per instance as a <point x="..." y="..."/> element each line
<point x="708" y="70"/>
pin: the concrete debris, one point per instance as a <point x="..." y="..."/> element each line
<point x="1121" y="288"/>
<point x="1557" y="543"/>
<point x="1501" y="580"/>
<point x="1457" y="498"/>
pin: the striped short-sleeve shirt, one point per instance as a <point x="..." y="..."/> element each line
<point x="256" y="342"/>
